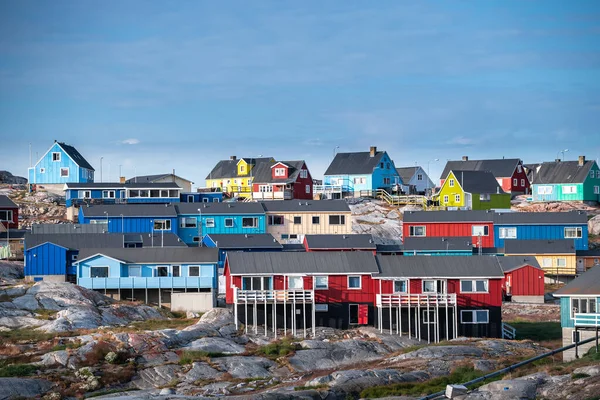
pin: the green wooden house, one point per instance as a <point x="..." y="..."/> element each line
<point x="566" y="181"/>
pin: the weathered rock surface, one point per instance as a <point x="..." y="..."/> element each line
<point x="201" y="370"/>
<point x="246" y="367"/>
<point x="594" y="225"/>
<point x="216" y="345"/>
<point x="434" y="352"/>
<point x="22" y="388"/>
<point x="357" y="380"/>
<point x="151" y="378"/>
<point x="506" y="390"/>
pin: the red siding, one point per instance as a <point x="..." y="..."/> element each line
<point x="299" y="191"/>
<point x="525" y="281"/>
<point x="446" y="229"/>
<point x="518" y="187"/>
<point x="14" y="224"/>
<point x="279" y="165"/>
<point x="338" y="291"/>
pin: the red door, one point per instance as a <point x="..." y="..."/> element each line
<point x="363" y="314"/>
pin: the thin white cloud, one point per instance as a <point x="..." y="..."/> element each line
<point x="130" y="141"/>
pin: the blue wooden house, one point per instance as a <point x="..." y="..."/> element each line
<point x="219" y="218"/>
<point x="366" y="171"/>
<point x="149" y="274"/>
<point x="121" y="193"/>
<point x="131" y="218"/>
<point x="580" y="311"/>
<point x="240" y="242"/>
<point x="61" y="164"/>
<point x="542" y="225"/>
<point x="438" y="246"/>
<point x="201" y="197"/>
<point x="51" y="256"/>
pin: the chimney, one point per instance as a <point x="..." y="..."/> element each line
<point x="465" y="158"/>
<point x="581" y="161"/>
<point x="557" y="160"/>
<point x="122" y="179"/>
<point x="373" y="150"/>
<point x="232" y="158"/>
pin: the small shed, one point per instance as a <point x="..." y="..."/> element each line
<point x="523" y="279"/>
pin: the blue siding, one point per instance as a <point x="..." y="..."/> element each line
<point x="72" y="195"/>
<point x="187" y="234"/>
<point x="200" y="197"/>
<point x="545" y="232"/>
<point x="373" y="181"/>
<point x="565" y="311"/>
<point x="46" y="259"/>
<point x="116" y="224"/>
<point x="51" y="174"/>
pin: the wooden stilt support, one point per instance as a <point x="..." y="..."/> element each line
<point x="304" y="314"/>
<point x="266" y="316"/>
<point x="447" y="322"/>
<point x="391" y="325"/>
<point x="246" y="316"/>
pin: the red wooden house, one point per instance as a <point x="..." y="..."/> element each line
<point x="282" y="180"/>
<point x="436" y="298"/>
<point x="477" y="224"/>
<point x="339" y="243"/>
<point x="509" y="172"/>
<point x="9" y="213"/>
<point x="523" y="279"/>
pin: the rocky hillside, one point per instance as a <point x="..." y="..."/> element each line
<point x="8" y="178"/>
<point x="39" y="207"/>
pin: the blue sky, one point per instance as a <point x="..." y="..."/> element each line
<point x="157" y="85"/>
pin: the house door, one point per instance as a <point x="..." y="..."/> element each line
<point x="580" y="266"/>
<point x="363" y="314"/>
<point x="121" y="194"/>
<point x="353" y="320"/>
<point x="190" y="198"/>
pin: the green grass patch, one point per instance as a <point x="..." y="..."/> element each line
<point x="45" y="314"/>
<point x="17" y="370"/>
<point x="459" y="375"/>
<point x="191" y="356"/>
<point x="593" y="354"/>
<point x="579" y="376"/>
<point x="279" y="348"/>
<point x="31" y="335"/>
<point x="537" y="331"/>
<point x="156" y="324"/>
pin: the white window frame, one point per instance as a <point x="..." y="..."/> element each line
<point x="457" y="198"/>
<point x="269" y="280"/>
<point x="100" y="266"/>
<point x="405" y="285"/>
<point x="474" y="314"/>
<point x="57" y="158"/>
<point x="507" y="233"/>
<point x="482" y="227"/>
<point x="210" y="222"/>
<point x="106" y="194"/>
<point x="74" y="257"/>
<point x="570" y="189"/>
<point x="446" y="199"/>
<point x="165" y="223"/>
<point x="573" y="232"/>
<point x="545" y="261"/>
<point x="325" y="287"/>
<point x="359" y="282"/>
<point x="474" y="286"/>
<point x="423" y="286"/>
<point x="427" y="314"/>
<point x="64" y="169"/>
<point x="419" y="177"/>
<point x="190" y="271"/>
<point x="561" y="262"/>
<point x="186" y="222"/>
<point x="597" y="188"/>
<point x="412" y="231"/>
<point x="228" y="222"/>
<point x="85" y="194"/>
<point x="519" y="168"/>
<point x="139" y="269"/>
<point x="544" y="189"/>
<point x="307" y="189"/>
<point x="265" y="188"/>
<point x="173" y="270"/>
<point x="515" y="182"/>
<point x="295" y="279"/>
<point x="271" y="220"/>
<point x="591" y="173"/>
<point x="588" y="309"/>
<point x="341" y="219"/>
<point x="254" y="223"/>
<point x="9" y="215"/>
<point x="451" y="183"/>
<point x="303" y="173"/>
<point x="279" y="171"/>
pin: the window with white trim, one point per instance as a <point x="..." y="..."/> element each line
<point x="571" y="189"/>
<point x="429" y="286"/>
<point x="74" y="257"/>
<point x="546" y="262"/>
<point x="176" y="270"/>
<point x="279" y="171"/>
<point x="85" y="194"/>
<point x="64" y="172"/>
<point x="585" y="305"/>
<point x="484" y="197"/>
<point x="561" y="262"/>
<point x="400" y="286"/>
<point x="591" y="173"/>
<point x="446" y="199"/>
<point x="228" y="222"/>
<point x="573" y="232"/>
<point x="523" y="182"/>
<point x="596" y="189"/>
<point x="417" y="230"/>
<point x="161" y="271"/>
<point x="457" y="198"/>
<point x="210" y="222"/>
<point x="275" y="220"/>
<point x="55" y="157"/>
<point x="108" y="194"/>
<point x="307" y="189"/>
<point x="544" y="189"/>
<point x="359" y="180"/>
<point x="249" y="222"/>
<point x="297" y="220"/>
<point x="451" y="183"/>
<point x="419" y="177"/>
<point x="194" y="270"/>
<point x="354" y="282"/>
<point x="99" y="272"/>
<point x="98" y="221"/>
<point x="6" y="215"/>
<point x="519" y="168"/>
<point x="295" y="282"/>
<point x="257" y="283"/>
<point x="188" y="222"/>
<point x="480" y="230"/>
<point x="303" y="173"/>
<point x="507" y="233"/>
<point x="474" y="285"/>
<point x="321" y="282"/>
<point x="162" y="224"/>
<point x="265" y="188"/>
<point x="337" y="220"/>
<point x="515" y="182"/>
<point x="474" y="316"/>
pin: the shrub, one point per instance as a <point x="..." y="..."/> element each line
<point x="579" y="376"/>
<point x="279" y="348"/>
<point x="190" y="356"/>
<point x="46" y="314"/>
<point x="18" y="370"/>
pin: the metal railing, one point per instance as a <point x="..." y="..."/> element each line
<point x="279" y="296"/>
<point x="412" y="300"/>
<point x="327" y="189"/>
<point x="508" y="331"/>
<point x="586" y="320"/>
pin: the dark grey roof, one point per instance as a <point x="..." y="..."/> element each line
<point x="102" y="240"/>
<point x="510" y="263"/>
<point x="67" y="228"/>
<point x="406" y="173"/>
<point x="562" y="172"/>
<point x="117" y="185"/>
<point x="354" y="163"/>
<point x="449" y="216"/>
<point x="299" y="206"/>
<point x="76" y="156"/>
<point x="535" y="246"/>
<point x="389" y="247"/>
<point x="13" y="234"/>
<point x="187" y="255"/>
<point x="477" y="182"/>
<point x="588" y="253"/>
<point x="241" y="241"/>
<point x="130" y="210"/>
<point x="226" y="169"/>
<point x="333" y="242"/>
<point x="293" y="247"/>
<point x="5" y="202"/>
<point x="587" y="283"/>
<point x="263" y="172"/>
<point x="275" y="263"/>
<point x="500" y="168"/>
<point x="540" y="218"/>
<point x="228" y="208"/>
<point x="152" y="178"/>
<point x="439" y="267"/>
<point x="438" y="243"/>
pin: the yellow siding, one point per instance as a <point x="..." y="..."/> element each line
<point x="451" y="192"/>
<point x="242" y="168"/>
<point x="549" y="263"/>
<point x="306" y="227"/>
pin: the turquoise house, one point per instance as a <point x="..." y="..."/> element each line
<point x="199" y="219"/>
<point x="62" y="163"/>
<point x="580" y="311"/>
<point x="362" y="171"/>
<point x="566" y="181"/>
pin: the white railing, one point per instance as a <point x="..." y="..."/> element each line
<point x="413" y="300"/>
<point x="327" y="188"/>
<point x="586" y="320"/>
<point x="283" y="195"/>
<point x="271" y="296"/>
<point x="508" y="331"/>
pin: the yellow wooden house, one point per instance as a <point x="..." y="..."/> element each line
<point x="472" y="190"/>
<point x="234" y="176"/>
<point x="556" y="257"/>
